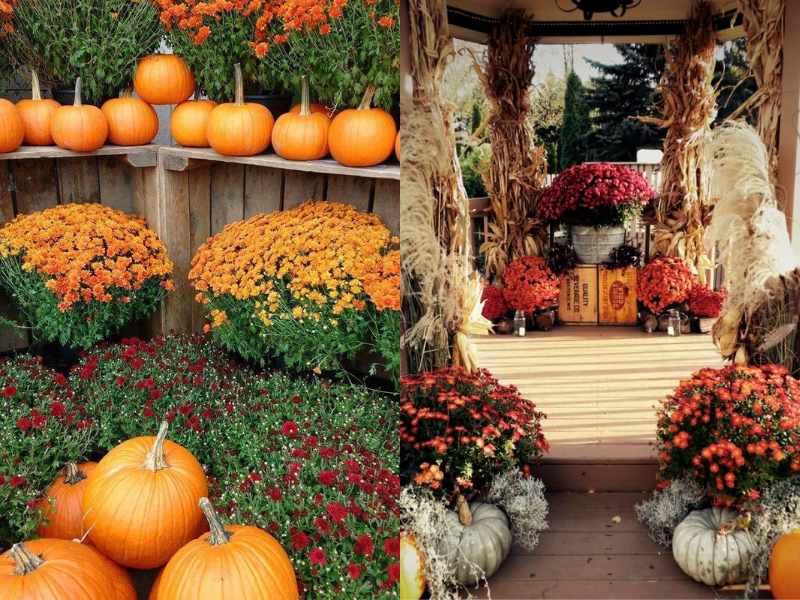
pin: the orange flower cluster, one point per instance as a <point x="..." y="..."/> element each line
<point x="6" y="15"/>
<point x="327" y="255"/>
<point x="197" y="15"/>
<point x="85" y="250"/>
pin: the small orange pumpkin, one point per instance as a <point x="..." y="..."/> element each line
<point x="233" y="562"/>
<point x="364" y="136"/>
<point x="131" y="121"/>
<point x="13" y="130"/>
<point x="80" y="127"/>
<point x="154" y="590"/>
<point x="145" y="489"/>
<point x="302" y="135"/>
<point x="62" y="511"/>
<point x="397" y="146"/>
<point x="163" y="79"/>
<point x="239" y="129"/>
<point x="189" y="123"/>
<point x="784" y="567"/>
<point x="314" y="107"/>
<point x="37" y="114"/>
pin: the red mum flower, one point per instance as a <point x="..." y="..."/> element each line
<point x="354" y="571"/>
<point x="290" y="429"/>
<point x="23" y="423"/>
<point x="38" y="421"/>
<point x="275" y="493"/>
<point x="317" y="556"/>
<point x="327" y="477"/>
<point x="327" y="452"/>
<point x="59" y="379"/>
<point x="148" y="412"/>
<point x="392" y="546"/>
<point x="322" y="525"/>
<point x="9" y="391"/>
<point x="364" y="545"/>
<point x="18" y="481"/>
<point x="57" y="409"/>
<point x="337" y="511"/>
<point x="393" y="572"/>
<point x="300" y="540"/>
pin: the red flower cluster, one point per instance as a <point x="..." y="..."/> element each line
<point x="591" y="186"/>
<point x="530" y="284"/>
<point x="494" y="304"/>
<point x="663" y="282"/>
<point x="458" y="429"/>
<point x="705" y="302"/>
<point x="735" y="430"/>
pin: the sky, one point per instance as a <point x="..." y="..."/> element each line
<point x="550" y="58"/>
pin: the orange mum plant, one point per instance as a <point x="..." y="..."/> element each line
<point x="308" y="286"/>
<point x="80" y="272"/>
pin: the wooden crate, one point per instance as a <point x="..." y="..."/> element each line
<point x="577" y="302"/>
<point x="618" y="296"/>
<point x="201" y="191"/>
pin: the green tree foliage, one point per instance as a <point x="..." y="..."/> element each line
<point x="733" y="78"/>
<point x="547" y="114"/>
<point x="576" y="126"/>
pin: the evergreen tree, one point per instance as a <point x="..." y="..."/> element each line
<point x="576" y="126"/>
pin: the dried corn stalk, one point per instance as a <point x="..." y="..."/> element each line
<point x="690" y="106"/>
<point x="518" y="169"/>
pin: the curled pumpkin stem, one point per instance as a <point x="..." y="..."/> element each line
<point x="25" y="561"/>
<point x="366" y="101"/>
<point x="72" y="474"/>
<point x="156" y="459"/>
<point x="464" y="513"/>
<point x="218" y="535"/>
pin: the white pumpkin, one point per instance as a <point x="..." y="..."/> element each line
<point x="484" y="540"/>
<point x="711" y="547"/>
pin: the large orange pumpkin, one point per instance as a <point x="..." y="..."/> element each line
<point x="397" y="146"/>
<point x="363" y="136"/>
<point x="37" y="114"/>
<point x="141" y="502"/>
<point x="81" y="128"/>
<point x="239" y="128"/>
<point x="232" y="562"/>
<point x="190" y="122"/>
<point x="302" y="135"/>
<point x="131" y="121"/>
<point x="154" y="590"/>
<point x="48" y="569"/>
<point x="784" y="567"/>
<point x="62" y="510"/>
<point x="13" y="130"/>
<point x="163" y="79"/>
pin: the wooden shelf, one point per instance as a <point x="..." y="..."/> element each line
<point x="142" y="154"/>
<point x="178" y="159"/>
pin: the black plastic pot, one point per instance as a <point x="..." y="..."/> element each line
<point x="276" y="103"/>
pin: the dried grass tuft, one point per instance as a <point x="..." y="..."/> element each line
<point x="523" y="500"/>
<point x="665" y="509"/>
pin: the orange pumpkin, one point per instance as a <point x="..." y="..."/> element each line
<point x="233" y="562"/>
<point x="145" y="489"/>
<point x="364" y="136"/>
<point x="784" y="567"/>
<point x="239" y="129"/>
<point x="13" y="130"/>
<point x="302" y="135"/>
<point x="190" y="122"/>
<point x="163" y="79"/>
<point x="397" y="146"/>
<point x="131" y="121"/>
<point x="120" y="578"/>
<point x="154" y="590"/>
<point x="48" y="569"/>
<point x="314" y="107"/>
<point x="62" y="510"/>
<point x="37" y="115"/>
<point x="81" y="128"/>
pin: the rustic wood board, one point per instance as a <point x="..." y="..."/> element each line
<point x="176" y="235"/>
<point x="299" y="187"/>
<point x="199" y="227"/>
<point x="36" y="183"/>
<point x="263" y="190"/>
<point x="617" y="294"/>
<point x="116" y="184"/>
<point x="227" y="195"/>
<point x="386" y="204"/>
<point x="356" y="191"/>
<point x="28" y="152"/>
<point x="577" y="301"/>
<point x="78" y="180"/>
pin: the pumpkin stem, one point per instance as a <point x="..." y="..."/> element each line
<point x="72" y="474"/>
<point x="155" y="459"/>
<point x="237" y="75"/>
<point x="366" y="101"/>
<point x="305" y="97"/>
<point x="78" y="101"/>
<point x="218" y="535"/>
<point x="464" y="513"/>
<point x="25" y="561"/>
<point x="36" y="89"/>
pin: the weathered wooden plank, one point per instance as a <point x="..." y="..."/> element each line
<point x="386" y="204"/>
<point x="350" y="190"/>
<point x="299" y="187"/>
<point x="6" y="199"/>
<point x="10" y="338"/>
<point x="116" y="184"/>
<point x="199" y="225"/>
<point x="78" y="180"/>
<point x="262" y="190"/>
<point x="622" y="590"/>
<point x="29" y="152"/>
<point x="36" y="185"/>
<point x="145" y="205"/>
<point x="175" y="233"/>
<point x="227" y="195"/>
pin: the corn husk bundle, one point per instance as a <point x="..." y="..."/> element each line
<point x="518" y="169"/>
<point x="472" y="323"/>
<point x="433" y="209"/>
<point x="690" y="106"/>
<point x="750" y="233"/>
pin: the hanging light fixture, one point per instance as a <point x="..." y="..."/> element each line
<point x="617" y="8"/>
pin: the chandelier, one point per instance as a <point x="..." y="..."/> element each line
<point x="617" y="8"/>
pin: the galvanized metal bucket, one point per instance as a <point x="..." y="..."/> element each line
<point x="593" y="245"/>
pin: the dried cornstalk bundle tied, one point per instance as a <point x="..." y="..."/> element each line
<point x="518" y="168"/>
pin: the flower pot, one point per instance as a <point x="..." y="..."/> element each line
<point x="545" y="320"/>
<point x="703" y="324"/>
<point x="504" y="326"/>
<point x="276" y="103"/>
<point x="593" y="245"/>
<point x="66" y="97"/>
<point x="649" y="322"/>
<point x="663" y="322"/>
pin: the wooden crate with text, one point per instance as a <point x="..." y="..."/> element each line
<point x="618" y="296"/>
<point x="577" y="302"/>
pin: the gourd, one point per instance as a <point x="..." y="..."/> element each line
<point x="712" y="546"/>
<point x="412" y="568"/>
<point x="364" y="136"/>
<point x="233" y="562"/>
<point x="37" y="115"/>
<point x="190" y="121"/>
<point x="302" y="135"/>
<point x="479" y="536"/>
<point x="81" y="127"/>
<point x="784" y="567"/>
<point x="143" y="490"/>
<point x="62" y="510"/>
<point x="131" y="121"/>
<point x="239" y="128"/>
<point x="49" y="569"/>
<point x="13" y="130"/>
<point x="163" y="79"/>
